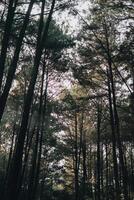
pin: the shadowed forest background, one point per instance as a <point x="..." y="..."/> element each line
<point x="67" y="100"/>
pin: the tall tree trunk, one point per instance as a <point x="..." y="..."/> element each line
<point x="116" y="117"/>
<point x="36" y="160"/>
<point x="84" y="166"/>
<point x="89" y="169"/>
<point x="13" y="66"/>
<point x="76" y="159"/>
<point x="102" y="171"/>
<point x="84" y="154"/>
<point x="117" y="126"/>
<point x="31" y="131"/>
<point x="24" y="169"/>
<point x="6" y="37"/>
<point x="15" y="171"/>
<point x="132" y="168"/>
<point x="43" y="108"/>
<point x="33" y="167"/>
<point x="107" y="172"/>
<point x="9" y="161"/>
<point x="98" y="152"/>
<point x="116" y="175"/>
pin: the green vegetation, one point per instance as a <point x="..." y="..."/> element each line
<point x="66" y="100"/>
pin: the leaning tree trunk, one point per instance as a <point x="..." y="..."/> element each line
<point x="6" y="37"/>
<point x="31" y="186"/>
<point x="9" y="161"/>
<point x="16" y="166"/>
<point x="13" y="66"/>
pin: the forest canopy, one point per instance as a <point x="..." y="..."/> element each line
<point x="66" y="100"/>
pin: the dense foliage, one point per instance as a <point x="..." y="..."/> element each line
<point x="66" y="100"/>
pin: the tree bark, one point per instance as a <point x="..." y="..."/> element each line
<point x="42" y="110"/>
<point x="116" y="175"/>
<point x="98" y="153"/>
<point x="76" y="159"/>
<point x="116" y="117"/>
<point x="6" y="37"/>
<point x="14" y="174"/>
<point x="13" y="66"/>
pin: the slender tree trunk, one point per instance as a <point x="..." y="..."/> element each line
<point x="33" y="168"/>
<point x="9" y="161"/>
<point x="23" y="173"/>
<point x="84" y="155"/>
<point x="84" y="165"/>
<point x="98" y="153"/>
<point x="13" y="66"/>
<point x="132" y="168"/>
<point x="102" y="171"/>
<point x="116" y="175"/>
<point x="42" y="109"/>
<point x="116" y="118"/>
<point x="28" y="143"/>
<point x="107" y="172"/>
<point x="121" y="154"/>
<point x="36" y="159"/>
<point x="76" y="160"/>
<point x="89" y="169"/>
<point x="11" y="150"/>
<point x="13" y="179"/>
<point x="6" y="37"/>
